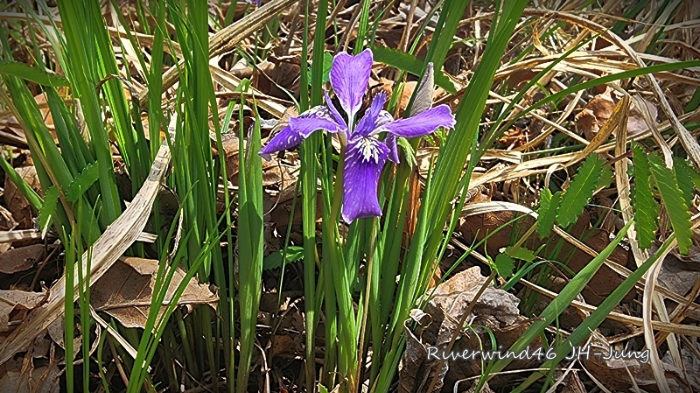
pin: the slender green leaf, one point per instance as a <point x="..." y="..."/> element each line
<point x="673" y="200"/>
<point x="278" y="258"/>
<point x="327" y="63"/>
<point x="580" y="190"/>
<point x="521" y="253"/>
<point x="32" y="74"/>
<point x="29" y="193"/>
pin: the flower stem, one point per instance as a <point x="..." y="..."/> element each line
<point x="338" y="186"/>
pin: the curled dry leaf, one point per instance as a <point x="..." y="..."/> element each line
<point x="7" y="222"/>
<point x="417" y="370"/>
<point x="600" y="108"/>
<point x="495" y="311"/>
<point x="16" y="301"/>
<point x="16" y="203"/>
<point x="126" y="289"/>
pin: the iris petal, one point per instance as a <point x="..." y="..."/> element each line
<point x="350" y="78"/>
<point x="299" y="128"/>
<point x="423" y="123"/>
<point x="364" y="160"/>
<point x="286" y="139"/>
<point x="393" y="148"/>
<point x="334" y="112"/>
<point x="368" y="123"/>
<point x="305" y="126"/>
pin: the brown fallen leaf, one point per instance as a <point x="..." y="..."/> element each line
<point x="32" y="373"/>
<point x="126" y="289"/>
<point x="416" y="369"/>
<point x="495" y="312"/>
<point x="16" y="203"/>
<point x="13" y="301"/>
<point x="7" y="222"/>
<point x="623" y="373"/>
<point x="22" y="258"/>
<point x="599" y="109"/>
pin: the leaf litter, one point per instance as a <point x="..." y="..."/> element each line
<point x="501" y="176"/>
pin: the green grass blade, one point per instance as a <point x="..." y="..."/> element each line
<point x="32" y="74"/>
<point x="562" y="301"/>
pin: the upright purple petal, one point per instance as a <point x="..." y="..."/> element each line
<point x="423" y="123"/>
<point x="368" y="123"/>
<point x="286" y="139"/>
<point x="334" y="112"/>
<point x="350" y="78"/>
<point x="364" y="160"/>
<point x="393" y="148"/>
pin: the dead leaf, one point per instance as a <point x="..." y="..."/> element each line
<point x="22" y="258"/>
<point x="43" y="379"/>
<point x="416" y="369"/>
<point x="126" y="289"/>
<point x="7" y="222"/>
<point x="16" y="203"/>
<point x="496" y="311"/>
<point x="12" y="301"/>
<point x="677" y="275"/>
<point x="57" y="333"/>
<point x="599" y="109"/>
<point x="617" y="374"/>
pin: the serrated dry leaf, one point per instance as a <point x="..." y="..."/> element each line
<point x="126" y="289"/>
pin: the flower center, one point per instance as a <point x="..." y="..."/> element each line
<point x="369" y="150"/>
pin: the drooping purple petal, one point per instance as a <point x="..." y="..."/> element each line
<point x="364" y="160"/>
<point x="350" y="78"/>
<point x="305" y="126"/>
<point x="368" y="123"/>
<point x="423" y="123"/>
<point x="393" y="148"/>
<point x="299" y="128"/>
<point x="334" y="112"/>
<point x="286" y="139"/>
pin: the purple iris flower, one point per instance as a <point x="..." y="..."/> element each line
<point x="365" y="155"/>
